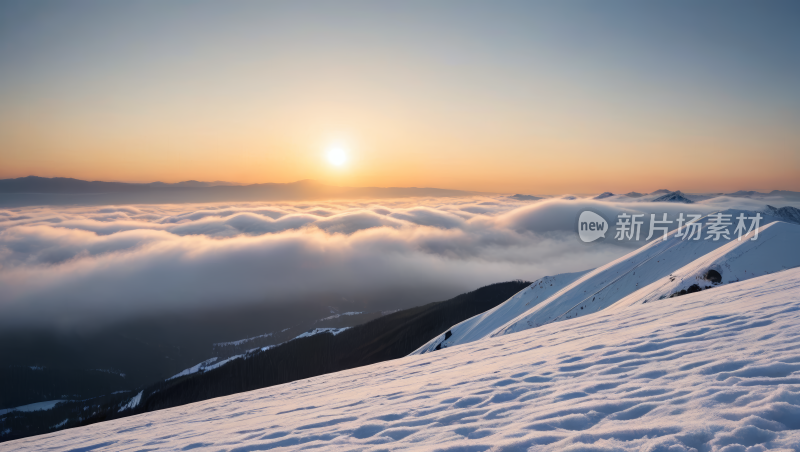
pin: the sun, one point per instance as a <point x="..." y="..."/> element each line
<point x="337" y="156"/>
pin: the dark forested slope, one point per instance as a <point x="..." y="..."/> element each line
<point x="388" y="337"/>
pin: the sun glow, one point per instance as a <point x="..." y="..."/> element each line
<point x="337" y="156"/>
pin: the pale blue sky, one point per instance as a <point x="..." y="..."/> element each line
<point x="455" y="80"/>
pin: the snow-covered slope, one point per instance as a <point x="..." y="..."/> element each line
<point x="789" y="213"/>
<point x="316" y="331"/>
<point x="33" y="406"/>
<point x="776" y="249"/>
<point x="610" y="283"/>
<point x="241" y="341"/>
<point x="602" y="287"/>
<point x="194" y="369"/>
<point x="133" y="402"/>
<point x="482" y="325"/>
<point x="561" y="297"/>
<point x="717" y="370"/>
<point x="213" y="363"/>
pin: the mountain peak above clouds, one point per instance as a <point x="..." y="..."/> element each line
<point x="520" y="197"/>
<point x="604" y="195"/>
<point x="675" y="196"/>
<point x="634" y="194"/>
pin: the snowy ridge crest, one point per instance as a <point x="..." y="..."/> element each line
<point x="673" y="265"/>
<point x="484" y="324"/>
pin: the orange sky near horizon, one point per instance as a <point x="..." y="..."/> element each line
<point x="511" y="155"/>
<point x="524" y="104"/>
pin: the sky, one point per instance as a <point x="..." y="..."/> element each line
<point x="504" y="97"/>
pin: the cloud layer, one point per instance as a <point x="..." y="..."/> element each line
<point x="97" y="264"/>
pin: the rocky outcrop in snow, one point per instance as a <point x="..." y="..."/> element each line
<point x="790" y="214"/>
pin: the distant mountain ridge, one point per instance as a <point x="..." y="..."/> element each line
<point x="520" y="197"/>
<point x="758" y="194"/>
<point x="672" y="196"/>
<point x="34" y="190"/>
<point x="197" y="184"/>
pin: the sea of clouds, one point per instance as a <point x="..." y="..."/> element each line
<point x="72" y="265"/>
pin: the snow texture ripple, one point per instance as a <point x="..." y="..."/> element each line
<point x="716" y="370"/>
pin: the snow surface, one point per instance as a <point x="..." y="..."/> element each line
<point x="482" y="325"/>
<point x="223" y="362"/>
<point x="717" y="370"/>
<point x="194" y="369"/>
<point x="133" y="402"/>
<point x="776" y="249"/>
<point x="211" y="364"/>
<point x="60" y="424"/>
<point x="44" y="406"/>
<point x="316" y="331"/>
<point x="656" y="261"/>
